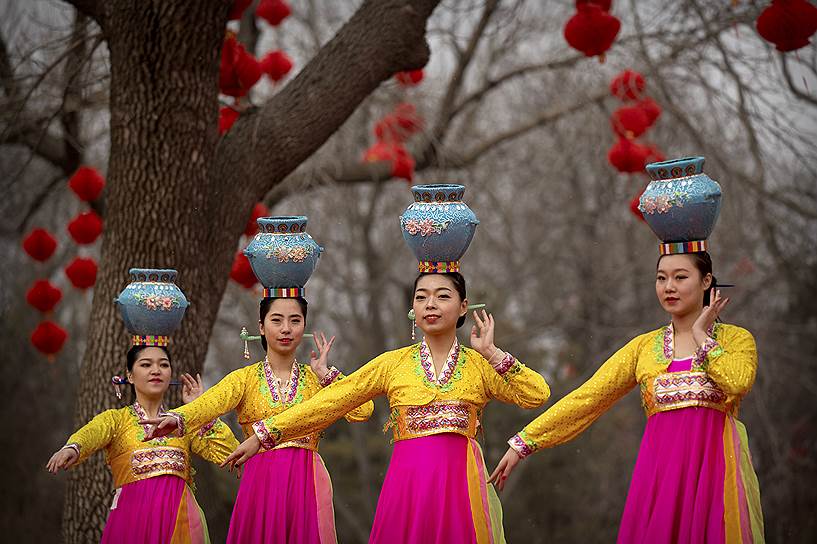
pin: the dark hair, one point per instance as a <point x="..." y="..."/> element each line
<point x="459" y="285"/>
<point x="703" y="262"/>
<point x="266" y="304"/>
<point x="133" y="355"/>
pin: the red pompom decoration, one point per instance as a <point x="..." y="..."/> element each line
<point x="43" y="296"/>
<point x="628" y="156"/>
<point x="628" y="85"/>
<point x="788" y="24"/>
<point x="276" y="64"/>
<point x="591" y="30"/>
<point x="226" y="118"/>
<point x="238" y="70"/>
<point x="629" y="121"/>
<point x="39" y="244"/>
<point x="651" y="108"/>
<point x="259" y="210"/>
<point x="239" y="6"/>
<point x="81" y="272"/>
<point x="48" y="338"/>
<point x="273" y="11"/>
<point x="241" y="272"/>
<point x="634" y="206"/>
<point x="85" y="228"/>
<point x="412" y="77"/>
<point x="87" y="183"/>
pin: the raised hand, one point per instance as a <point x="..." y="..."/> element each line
<point x="504" y="469"/>
<point x="482" y="334"/>
<point x="191" y="389"/>
<point x="159" y="426"/>
<point x="242" y="453"/>
<point x="62" y="459"/>
<point x="708" y="316"/>
<point x="319" y="362"/>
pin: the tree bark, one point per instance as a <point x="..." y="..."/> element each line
<point x="179" y="197"/>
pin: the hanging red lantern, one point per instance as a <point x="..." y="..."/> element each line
<point x="85" y="228"/>
<point x="48" y="338"/>
<point x="627" y="156"/>
<point x="259" y="210"/>
<point x="403" y="164"/>
<point x="634" y="206"/>
<point x="276" y="64"/>
<point x="241" y="271"/>
<point x="628" y="85"/>
<point x="39" y="244"/>
<point x="238" y="70"/>
<point x="788" y="24"/>
<point x="651" y="108"/>
<point x="43" y="296"/>
<point x="87" y="183"/>
<point x="82" y="272"/>
<point x="410" y="78"/>
<point x="629" y="121"/>
<point x="273" y="11"/>
<point x="238" y="8"/>
<point x="591" y="30"/>
<point x="226" y="117"/>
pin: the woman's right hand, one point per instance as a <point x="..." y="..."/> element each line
<point x="161" y="426"/>
<point x="504" y="469"/>
<point x="62" y="459"/>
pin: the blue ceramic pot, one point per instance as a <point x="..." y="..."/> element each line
<point x="681" y="203"/>
<point x="282" y="254"/>
<point x="152" y="304"/>
<point x="438" y="226"/>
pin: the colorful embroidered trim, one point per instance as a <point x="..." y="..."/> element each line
<point x="521" y="444"/>
<point x="440" y="267"/>
<point x="267" y="437"/>
<point x="674" y="248"/>
<point x="685" y="389"/>
<point x="505" y="364"/>
<point x="180" y="427"/>
<point x="150" y="340"/>
<point x="710" y="345"/>
<point x="284" y="292"/>
<point x="206" y="427"/>
<point x="448" y="367"/>
<point x="272" y="382"/>
<point x="308" y="442"/>
<point x="437" y="417"/>
<point x="669" y="342"/>
<point x="73" y="445"/>
<point x="158" y="460"/>
<point x="330" y="376"/>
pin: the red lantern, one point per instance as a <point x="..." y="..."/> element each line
<point x="239" y="6"/>
<point x="627" y="156"/>
<point x="48" y="338"/>
<point x="226" y="118"/>
<point x="43" y="296"/>
<point x="634" y="206"/>
<point x="403" y="164"/>
<point x="410" y="78"/>
<point x="651" y="108"/>
<point x="259" y="210"/>
<point x="39" y="244"/>
<point x="628" y="85"/>
<point x="273" y="11"/>
<point x="629" y="121"/>
<point x="85" y="228"/>
<point x="788" y="24"/>
<point x="276" y="64"/>
<point x="591" y="30"/>
<point x="238" y="70"/>
<point x="241" y="272"/>
<point x="87" y="183"/>
<point x="81" y="272"/>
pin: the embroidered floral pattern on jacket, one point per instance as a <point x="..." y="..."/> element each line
<point x="451" y="369"/>
<point x="140" y="414"/>
<point x="521" y="444"/>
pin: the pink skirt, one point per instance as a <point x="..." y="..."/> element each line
<point x="435" y="492"/>
<point x="285" y="497"/>
<point x="158" y="510"/>
<point x="693" y="481"/>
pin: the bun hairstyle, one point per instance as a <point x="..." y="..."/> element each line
<point x="266" y="304"/>
<point x="459" y="285"/>
<point x="703" y="262"/>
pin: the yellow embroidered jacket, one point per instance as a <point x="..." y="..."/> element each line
<point x="723" y="371"/>
<point x="253" y="393"/>
<point x="131" y="459"/>
<point x="421" y="403"/>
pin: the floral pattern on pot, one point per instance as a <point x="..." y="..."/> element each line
<point x="152" y="304"/>
<point x="283" y="254"/>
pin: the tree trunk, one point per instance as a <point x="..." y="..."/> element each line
<point x="178" y="197"/>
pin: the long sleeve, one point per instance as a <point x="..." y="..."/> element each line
<point x="94" y="435"/>
<point x="327" y="406"/>
<point x="580" y="408"/>
<point x="213" y="403"/>
<point x="362" y="412"/>
<point x="731" y="361"/>
<point x="512" y="382"/>
<point x="214" y="444"/>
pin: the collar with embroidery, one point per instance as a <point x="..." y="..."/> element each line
<point x="448" y="368"/>
<point x="279" y="388"/>
<point x="669" y="340"/>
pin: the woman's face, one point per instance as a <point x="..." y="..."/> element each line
<point x="437" y="305"/>
<point x="679" y="285"/>
<point x="283" y="326"/>
<point x="151" y="372"/>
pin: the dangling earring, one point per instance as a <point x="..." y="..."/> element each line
<point x="411" y="316"/>
<point x="245" y="335"/>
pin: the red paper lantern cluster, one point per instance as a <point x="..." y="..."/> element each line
<point x="85" y="228"/>
<point x="43" y="296"/>
<point x="87" y="183"/>
<point x="49" y="338"/>
<point x="592" y="30"/>
<point x="630" y="121"/>
<point x="391" y="134"/>
<point x="628" y="85"/>
<point x="241" y="271"/>
<point x="81" y="272"/>
<point x="788" y="24"/>
<point x="273" y="11"/>
<point x="39" y="244"/>
<point x="239" y="70"/>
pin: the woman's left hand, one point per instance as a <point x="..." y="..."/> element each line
<point x="242" y="453"/>
<point x="191" y="389"/>
<point x="319" y="362"/>
<point x="482" y="334"/>
<point x="708" y="316"/>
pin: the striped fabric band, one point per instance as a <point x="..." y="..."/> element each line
<point x="439" y="266"/>
<point x="673" y="248"/>
<point x="284" y="292"/>
<point x="150" y="340"/>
